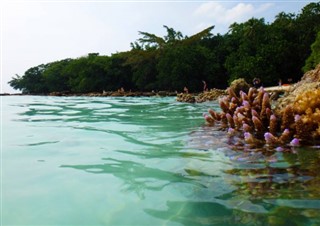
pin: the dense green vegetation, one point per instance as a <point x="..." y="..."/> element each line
<point x="280" y="50"/>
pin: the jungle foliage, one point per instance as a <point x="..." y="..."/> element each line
<point x="281" y="50"/>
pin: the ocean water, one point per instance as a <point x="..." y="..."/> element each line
<point x="143" y="161"/>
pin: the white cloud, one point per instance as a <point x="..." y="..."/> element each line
<point x="211" y="10"/>
<point x="238" y="12"/>
<point x="264" y="7"/>
<point x="221" y="14"/>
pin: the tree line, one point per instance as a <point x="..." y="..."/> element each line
<point x="283" y="49"/>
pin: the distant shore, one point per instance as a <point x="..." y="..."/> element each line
<point x="97" y="94"/>
<point x="211" y="95"/>
<point x="12" y="94"/>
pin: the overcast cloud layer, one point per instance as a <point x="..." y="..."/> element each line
<point x="36" y="32"/>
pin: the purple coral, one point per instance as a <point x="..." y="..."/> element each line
<point x="295" y="142"/>
<point x="246" y="127"/>
<point x="279" y="149"/>
<point x="297" y="118"/>
<point x="270" y="139"/>
<point x="248" y="137"/>
<point x="231" y="131"/>
<point x="251" y="114"/>
<point x="246" y="105"/>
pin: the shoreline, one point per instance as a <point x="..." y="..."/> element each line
<point x="181" y="97"/>
<point x="98" y="94"/>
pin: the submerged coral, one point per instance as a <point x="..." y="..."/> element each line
<point x="251" y="117"/>
<point x="294" y="120"/>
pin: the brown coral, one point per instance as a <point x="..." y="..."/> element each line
<point x="296" y="117"/>
<point x="302" y="116"/>
<point x="249" y="113"/>
<point x="252" y="115"/>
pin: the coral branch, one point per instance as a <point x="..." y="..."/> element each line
<point x="251" y="117"/>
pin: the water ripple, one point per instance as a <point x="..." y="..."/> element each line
<point x="148" y="159"/>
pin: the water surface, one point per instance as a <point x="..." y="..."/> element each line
<point x="143" y="161"/>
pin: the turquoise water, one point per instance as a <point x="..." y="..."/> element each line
<point x="143" y="161"/>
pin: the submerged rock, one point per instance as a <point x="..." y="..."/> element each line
<point x="211" y="95"/>
<point x="186" y="97"/>
<point x="309" y="81"/>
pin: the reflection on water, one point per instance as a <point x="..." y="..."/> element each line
<point x="195" y="213"/>
<point x="137" y="177"/>
<point x="145" y="161"/>
<point x="291" y="175"/>
<point x="208" y="213"/>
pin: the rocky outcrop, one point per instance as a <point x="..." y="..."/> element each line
<point x="186" y="97"/>
<point x="118" y="93"/>
<point x="309" y="81"/>
<point x="211" y="95"/>
<point x="238" y="85"/>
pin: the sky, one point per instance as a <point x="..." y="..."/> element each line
<point x="35" y="32"/>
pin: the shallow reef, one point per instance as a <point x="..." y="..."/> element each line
<point x="210" y="95"/>
<point x="185" y="97"/>
<point x="250" y="118"/>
